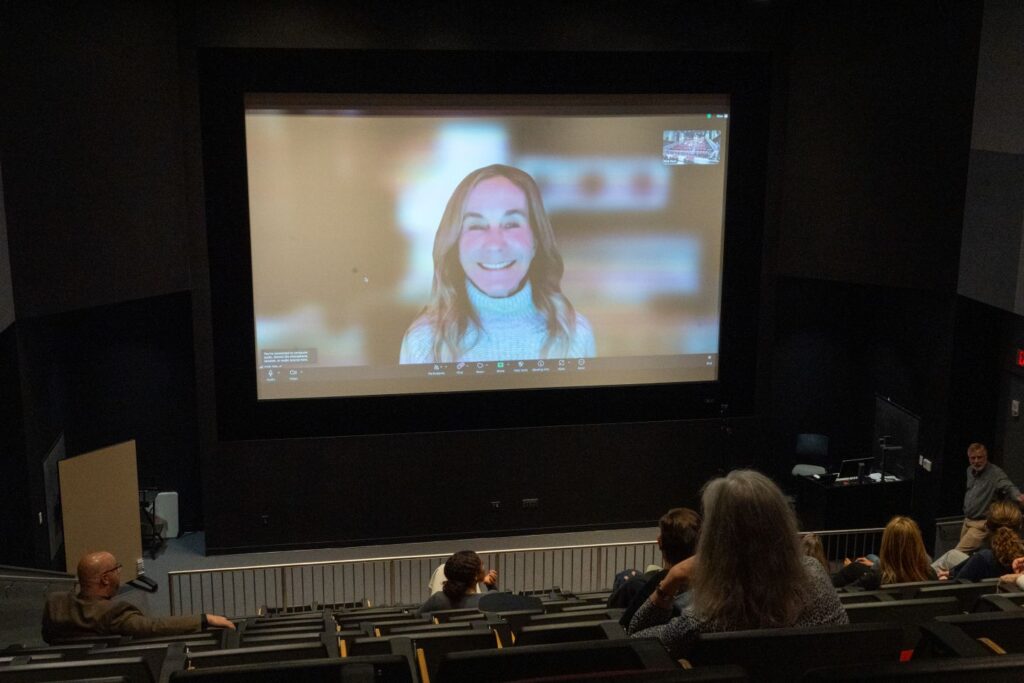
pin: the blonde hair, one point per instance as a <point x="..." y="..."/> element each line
<point x="749" y="572"/>
<point x="812" y="547"/>
<point x="450" y="313"/>
<point x="902" y="557"/>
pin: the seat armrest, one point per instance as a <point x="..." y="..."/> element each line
<point x="946" y="640"/>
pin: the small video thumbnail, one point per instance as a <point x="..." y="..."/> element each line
<point x="683" y="147"/>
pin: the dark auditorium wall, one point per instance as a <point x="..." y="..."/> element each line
<point x="992" y="264"/>
<point x="6" y="291"/>
<point x="93" y="154"/>
<point x="838" y="345"/>
<point x="870" y="135"/>
<point x="13" y="495"/>
<point x="93" y="177"/>
<point x="877" y="136"/>
<point x="15" y="542"/>
<point x="147" y="346"/>
<point x="980" y="359"/>
<point x="1009" y="438"/>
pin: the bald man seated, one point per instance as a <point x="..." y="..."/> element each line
<point x="92" y="611"/>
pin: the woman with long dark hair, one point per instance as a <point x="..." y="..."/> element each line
<point x="496" y="293"/>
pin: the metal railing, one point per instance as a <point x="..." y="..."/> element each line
<point x="402" y="580"/>
<point x="849" y="543"/>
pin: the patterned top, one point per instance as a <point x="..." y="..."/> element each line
<point x="677" y="635"/>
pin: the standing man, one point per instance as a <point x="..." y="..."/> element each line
<point x="984" y="482"/>
<point x="92" y="611"/>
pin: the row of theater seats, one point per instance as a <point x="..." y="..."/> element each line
<point x="950" y="631"/>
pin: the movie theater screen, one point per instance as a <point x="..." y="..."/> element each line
<point x="428" y="244"/>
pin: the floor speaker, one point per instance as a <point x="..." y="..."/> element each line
<point x="166" y="508"/>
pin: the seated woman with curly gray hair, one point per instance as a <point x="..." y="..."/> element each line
<point x="749" y="571"/>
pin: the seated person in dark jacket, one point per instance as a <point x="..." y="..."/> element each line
<point x="993" y="562"/>
<point x="462" y="572"/>
<point x="92" y="611"/>
<point x="1001" y="546"/>
<point x="902" y="559"/>
<point x="678" y="530"/>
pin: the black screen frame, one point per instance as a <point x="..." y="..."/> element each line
<point x="226" y="75"/>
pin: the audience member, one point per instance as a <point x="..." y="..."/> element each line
<point x="92" y="611"/>
<point x="1001" y="513"/>
<point x="812" y="547"/>
<point x="678" y="530"/>
<point x="462" y="571"/>
<point x="902" y="559"/>
<point x="436" y="583"/>
<point x="994" y="561"/>
<point x="985" y="482"/>
<point x="1017" y="575"/>
<point x="749" y="571"/>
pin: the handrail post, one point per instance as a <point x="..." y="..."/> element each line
<point x="170" y="593"/>
<point x="284" y="589"/>
<point x="391" y="580"/>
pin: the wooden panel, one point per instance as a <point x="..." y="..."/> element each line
<point x="100" y="499"/>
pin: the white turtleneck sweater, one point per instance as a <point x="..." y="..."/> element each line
<point x="511" y="329"/>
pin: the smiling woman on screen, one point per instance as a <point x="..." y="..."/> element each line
<point x="496" y="293"/>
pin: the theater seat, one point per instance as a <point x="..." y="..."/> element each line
<point x="785" y="654"/>
<point x="380" y="668"/>
<point x="981" y="669"/>
<point x="566" y="633"/>
<point x="561" y="659"/>
<point x="906" y="613"/>
<point x="132" y="669"/>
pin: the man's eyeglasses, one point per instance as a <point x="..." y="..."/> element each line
<point x="112" y="569"/>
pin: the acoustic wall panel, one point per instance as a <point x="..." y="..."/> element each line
<point x="100" y="499"/>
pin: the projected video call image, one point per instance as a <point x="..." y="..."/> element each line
<point x="411" y="250"/>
